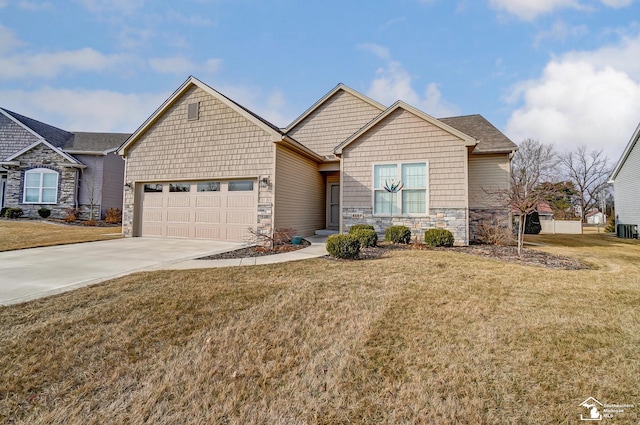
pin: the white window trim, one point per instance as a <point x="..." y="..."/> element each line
<point x="42" y="172"/>
<point x="399" y="194"/>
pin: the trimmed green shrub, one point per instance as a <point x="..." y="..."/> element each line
<point x="44" y="212"/>
<point x="343" y="246"/>
<point x="3" y="211"/>
<point x="357" y="227"/>
<point x="13" y="213"/>
<point x="438" y="237"/>
<point x="367" y="237"/>
<point x="397" y="234"/>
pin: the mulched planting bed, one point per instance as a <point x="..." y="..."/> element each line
<point x="502" y="253"/>
<point x="256" y="251"/>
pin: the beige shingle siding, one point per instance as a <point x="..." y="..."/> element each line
<point x="403" y="137"/>
<point x="299" y="193"/>
<point x="220" y="144"/>
<point x="338" y="118"/>
<point x="487" y="175"/>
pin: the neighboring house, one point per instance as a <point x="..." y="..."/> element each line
<point x="44" y="166"/>
<point x="202" y="166"/>
<point x="595" y="217"/>
<point x="544" y="211"/>
<point x="626" y="183"/>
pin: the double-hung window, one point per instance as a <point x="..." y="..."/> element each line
<point x="41" y="186"/>
<point x="400" y="188"/>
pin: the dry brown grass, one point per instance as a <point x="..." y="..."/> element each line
<point x="22" y="234"/>
<point x="416" y="337"/>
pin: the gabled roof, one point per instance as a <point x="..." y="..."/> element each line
<point x="54" y="135"/>
<point x="191" y="82"/>
<point x="319" y="103"/>
<point x="59" y="151"/>
<point x="627" y="151"/>
<point x="468" y="140"/>
<point x="95" y="142"/>
<point x="490" y="139"/>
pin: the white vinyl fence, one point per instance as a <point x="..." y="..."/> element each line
<point x="561" y="226"/>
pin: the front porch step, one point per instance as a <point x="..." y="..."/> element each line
<point x="326" y="232"/>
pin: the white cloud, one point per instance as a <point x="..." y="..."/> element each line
<point x="575" y="102"/>
<point x="49" y="65"/>
<point x="531" y="9"/>
<point x="395" y="83"/>
<point x="4" y="3"/>
<point x="560" y="31"/>
<point x="84" y="110"/>
<point x="8" y="40"/>
<point x="378" y="50"/>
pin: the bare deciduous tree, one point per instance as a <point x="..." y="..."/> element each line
<point x="533" y="164"/>
<point x="588" y="171"/>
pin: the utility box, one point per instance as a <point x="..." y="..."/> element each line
<point x="627" y="231"/>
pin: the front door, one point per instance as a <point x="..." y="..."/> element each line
<point x="333" y="221"/>
<point x="3" y="185"/>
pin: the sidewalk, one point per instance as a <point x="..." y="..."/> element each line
<point x="316" y="249"/>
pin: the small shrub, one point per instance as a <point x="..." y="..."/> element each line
<point x="493" y="233"/>
<point x="398" y="234"/>
<point x="3" y="211"/>
<point x="611" y="224"/>
<point x="367" y="237"/>
<point x="438" y="237"/>
<point x="113" y="216"/>
<point x="343" y="246"/>
<point x="44" y="212"/>
<point x="90" y="222"/>
<point x="357" y="227"/>
<point x="14" y="213"/>
<point x="72" y="214"/>
<point x="283" y="235"/>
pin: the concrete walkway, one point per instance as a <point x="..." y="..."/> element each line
<point x="34" y="273"/>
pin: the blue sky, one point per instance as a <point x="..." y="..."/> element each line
<point x="565" y="72"/>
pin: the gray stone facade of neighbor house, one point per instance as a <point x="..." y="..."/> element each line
<point x="42" y="166"/>
<point x="203" y="166"/>
<point x="626" y="183"/>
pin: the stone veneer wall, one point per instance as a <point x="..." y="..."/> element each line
<point x="452" y="219"/>
<point x="41" y="156"/>
<point x="494" y="216"/>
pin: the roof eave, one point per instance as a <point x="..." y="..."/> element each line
<point x="625" y="154"/>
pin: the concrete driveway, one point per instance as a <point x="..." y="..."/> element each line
<point x="32" y="273"/>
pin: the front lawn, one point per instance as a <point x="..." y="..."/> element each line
<point x="20" y="234"/>
<point x="414" y="337"/>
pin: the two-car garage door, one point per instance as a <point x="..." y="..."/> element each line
<point x="221" y="210"/>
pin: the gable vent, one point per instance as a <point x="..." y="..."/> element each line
<point x="193" y="112"/>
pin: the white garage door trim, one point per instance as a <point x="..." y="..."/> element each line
<point x="216" y="209"/>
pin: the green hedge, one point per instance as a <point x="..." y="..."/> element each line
<point x="44" y="212"/>
<point x="438" y="237"/>
<point x="13" y="213"/>
<point x="367" y="237"/>
<point x="343" y="246"/>
<point x="397" y="234"/>
<point x="357" y="227"/>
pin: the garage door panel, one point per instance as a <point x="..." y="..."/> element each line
<point x="207" y="217"/>
<point x="208" y="201"/>
<point x="207" y="232"/>
<point x="214" y="214"/>
<point x="240" y="201"/>
<point x="179" y="201"/>
<point x="174" y="231"/>
<point x="178" y="216"/>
